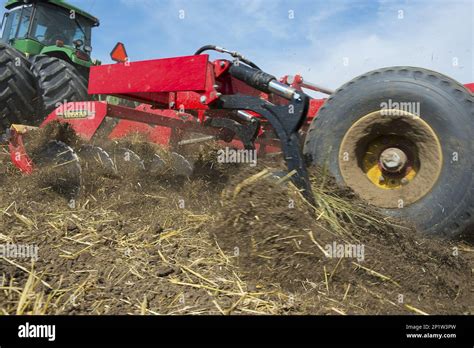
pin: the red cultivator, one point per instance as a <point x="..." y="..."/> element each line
<point x="236" y="102"/>
<point x="191" y="94"/>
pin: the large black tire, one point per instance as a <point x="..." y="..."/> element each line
<point x="446" y="209"/>
<point x="57" y="82"/>
<point x="17" y="89"/>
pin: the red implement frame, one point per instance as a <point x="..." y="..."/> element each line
<point x="191" y="94"/>
<point x="178" y="95"/>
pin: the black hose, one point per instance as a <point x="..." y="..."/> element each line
<point x="233" y="54"/>
<point x="205" y="48"/>
<point x="249" y="63"/>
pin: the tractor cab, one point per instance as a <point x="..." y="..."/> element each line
<point x="52" y="27"/>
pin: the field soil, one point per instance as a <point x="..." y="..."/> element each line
<point x="231" y="239"/>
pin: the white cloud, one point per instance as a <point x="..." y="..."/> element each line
<point x="432" y="34"/>
<point x="369" y="34"/>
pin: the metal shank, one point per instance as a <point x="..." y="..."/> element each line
<point x="286" y="120"/>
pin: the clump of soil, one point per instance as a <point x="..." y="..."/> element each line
<point x="215" y="243"/>
<point x="276" y="239"/>
<point x="36" y="140"/>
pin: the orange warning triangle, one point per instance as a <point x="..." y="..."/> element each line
<point x="119" y="54"/>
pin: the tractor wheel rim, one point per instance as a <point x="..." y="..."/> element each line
<point x="390" y="161"/>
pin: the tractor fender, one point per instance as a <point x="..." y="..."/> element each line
<point x="66" y="53"/>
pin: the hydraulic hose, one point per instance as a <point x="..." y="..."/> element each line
<point x="252" y="75"/>
<point x="234" y="54"/>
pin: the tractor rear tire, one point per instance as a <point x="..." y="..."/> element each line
<point x="430" y="185"/>
<point x="57" y="82"/>
<point x="17" y="89"/>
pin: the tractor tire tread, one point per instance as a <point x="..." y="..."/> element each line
<point x="17" y="89"/>
<point x="461" y="220"/>
<point x="57" y="81"/>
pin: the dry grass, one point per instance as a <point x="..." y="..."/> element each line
<point x="127" y="249"/>
<point x="209" y="274"/>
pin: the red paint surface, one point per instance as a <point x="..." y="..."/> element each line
<point x="84" y="127"/>
<point x="151" y="76"/>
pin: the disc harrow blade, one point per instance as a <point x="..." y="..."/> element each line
<point x="60" y="168"/>
<point x="180" y="165"/>
<point x="126" y="160"/>
<point x="156" y="165"/>
<point x="94" y="157"/>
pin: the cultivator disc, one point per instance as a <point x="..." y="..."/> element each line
<point x="180" y="165"/>
<point x="66" y="169"/>
<point x="94" y="157"/>
<point x="156" y="165"/>
<point x="126" y="160"/>
<point x="60" y="168"/>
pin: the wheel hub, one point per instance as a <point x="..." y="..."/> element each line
<point x="391" y="161"/>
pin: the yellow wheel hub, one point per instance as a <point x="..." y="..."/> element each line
<point x="375" y="173"/>
<point x="390" y="160"/>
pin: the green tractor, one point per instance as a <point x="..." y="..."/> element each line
<point x="44" y="59"/>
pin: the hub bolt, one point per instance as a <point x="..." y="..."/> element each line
<point x="393" y="160"/>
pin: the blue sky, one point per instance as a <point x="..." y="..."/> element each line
<point x="329" y="42"/>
